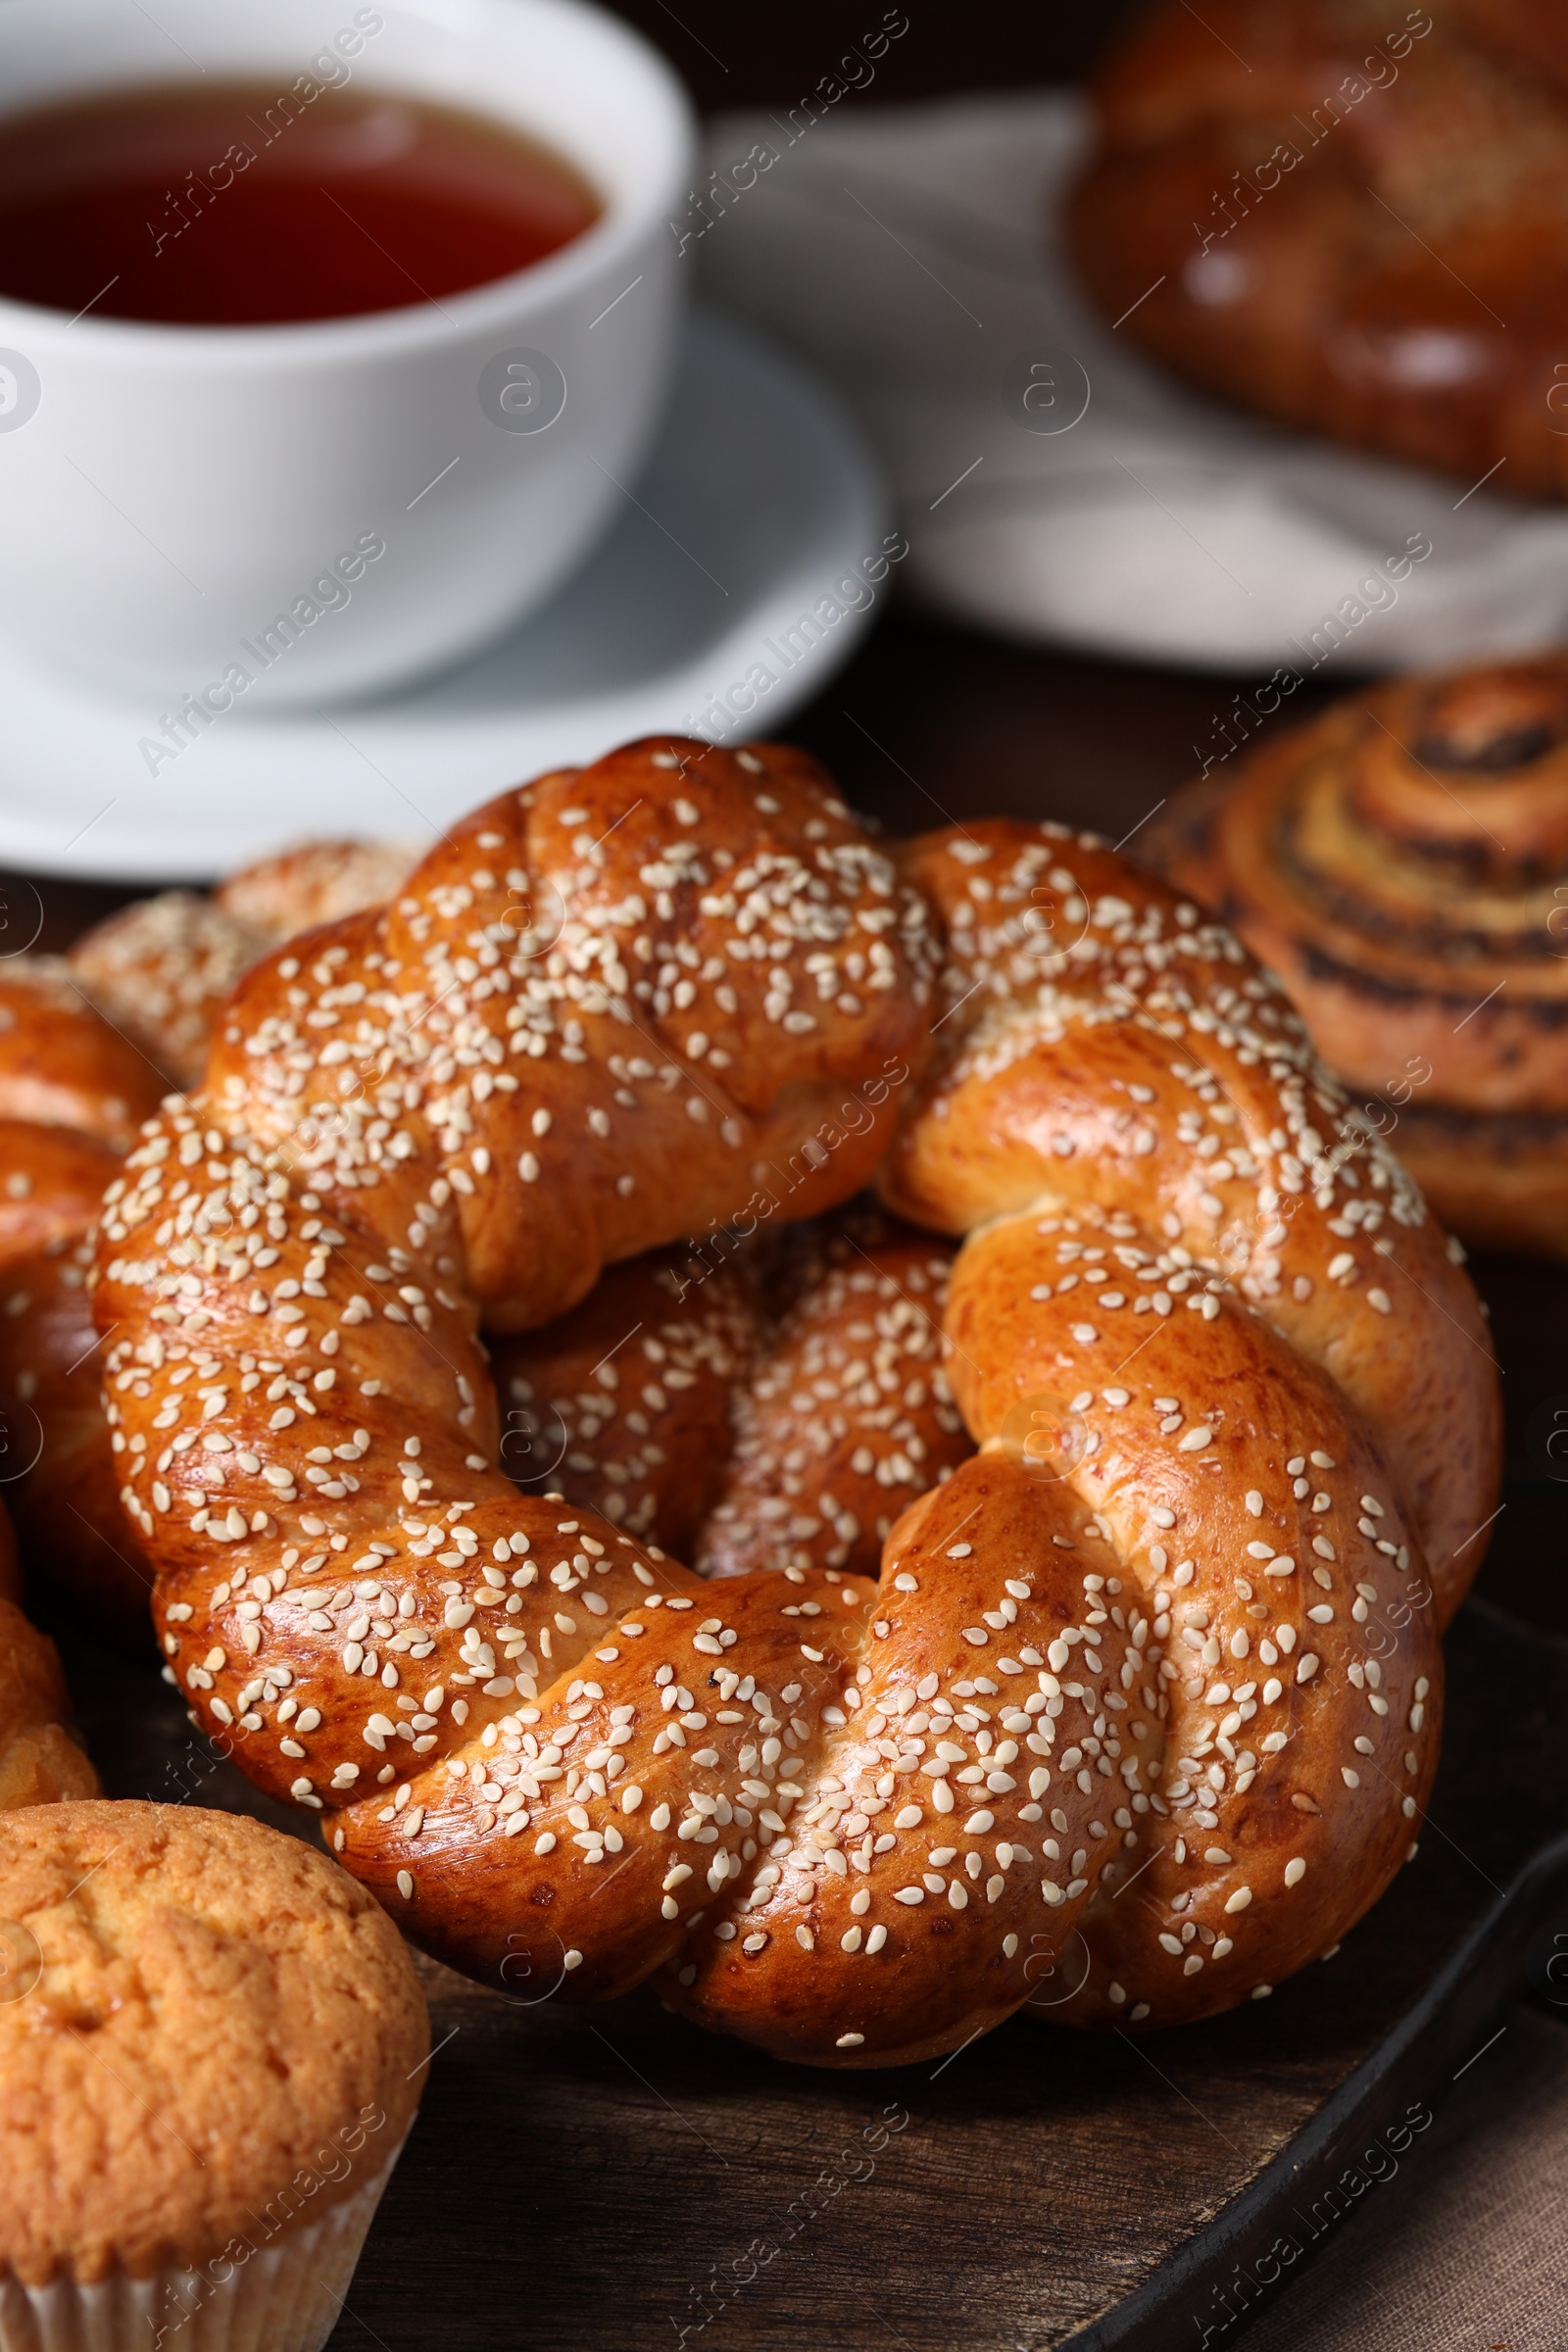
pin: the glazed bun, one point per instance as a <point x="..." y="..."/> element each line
<point x="1351" y="217"/>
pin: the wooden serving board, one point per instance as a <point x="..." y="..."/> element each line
<point x="597" y="2180"/>
<point x="601" y="2181"/>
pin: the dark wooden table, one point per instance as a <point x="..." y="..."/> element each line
<point x="604" y="2180"/>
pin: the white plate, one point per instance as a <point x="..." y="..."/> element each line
<point x="1056" y="484"/>
<point x="760" y="498"/>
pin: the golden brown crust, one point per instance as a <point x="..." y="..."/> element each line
<point x="920" y="1864"/>
<point x="57" y="1468"/>
<point x="50" y="1179"/>
<point x="1136" y="1064"/>
<point x="217" y="2013"/>
<point x="710" y="961"/>
<point x="624" y="1405"/>
<point x="1283" y="1706"/>
<point x="62" y="1064"/>
<point x="160" y="970"/>
<point x="775" y="1805"/>
<point x="73" y="1089"/>
<point x="91" y="1042"/>
<point x="532" y="1738"/>
<point x="40" y="1764"/>
<point x="83" y="1559"/>
<point x="316" y="882"/>
<point x="847" y="1415"/>
<point x="1327" y="211"/>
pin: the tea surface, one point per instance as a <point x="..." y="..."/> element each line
<point x="240" y="204"/>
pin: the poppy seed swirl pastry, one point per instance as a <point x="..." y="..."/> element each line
<point x="1349" y="217"/>
<point x="1401" y="862"/>
<point x="1157" y="1667"/>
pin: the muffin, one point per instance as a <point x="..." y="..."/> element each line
<point x="208" y="2045"/>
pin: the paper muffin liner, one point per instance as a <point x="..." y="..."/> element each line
<point x="284" y="2297"/>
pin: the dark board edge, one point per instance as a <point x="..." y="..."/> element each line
<point x="1207" y="2294"/>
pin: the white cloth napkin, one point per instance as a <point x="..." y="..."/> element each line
<point x="911" y="255"/>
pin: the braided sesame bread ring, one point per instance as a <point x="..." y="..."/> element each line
<point x="800" y="1809"/>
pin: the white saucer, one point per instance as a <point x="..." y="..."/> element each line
<point x="758" y="498"/>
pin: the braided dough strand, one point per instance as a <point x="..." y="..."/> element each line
<point x="1277" y="1721"/>
<point x="74" y="1090"/>
<point x="783" y="1806"/>
<point x="608" y="1008"/>
<point x="40" y="1763"/>
<point x="1215" y="1309"/>
<point x="1125" y="1060"/>
<point x="64" y="1501"/>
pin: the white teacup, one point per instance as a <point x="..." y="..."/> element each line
<point x="175" y="500"/>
